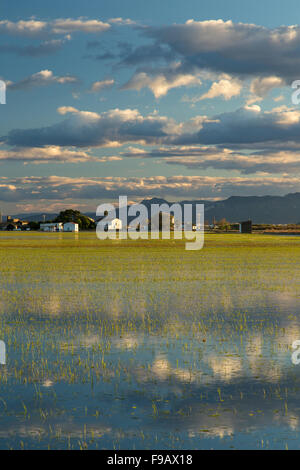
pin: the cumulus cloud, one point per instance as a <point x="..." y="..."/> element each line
<point x="23" y="27"/>
<point x="42" y="49"/>
<point x="39" y="28"/>
<point x="278" y="98"/>
<point x="248" y="126"/>
<point x="161" y="82"/>
<point x="89" y="129"/>
<point x="42" y="78"/>
<point x="211" y="157"/>
<point x="180" y="152"/>
<point x="101" y="85"/>
<point x="122" y="21"/>
<point x="66" y="110"/>
<point x="261" y="86"/>
<point x="226" y="88"/>
<point x="252" y="107"/>
<point x="52" y="154"/>
<point x="45" y="155"/>
<point x="238" y="49"/>
<point x="277" y="162"/>
<point x="247" y="140"/>
<point x="269" y="57"/>
<point x="69" y="25"/>
<point x="56" y="188"/>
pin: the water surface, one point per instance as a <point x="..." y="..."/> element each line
<point x="137" y="345"/>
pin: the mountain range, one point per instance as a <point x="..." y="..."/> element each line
<point x="260" y="209"/>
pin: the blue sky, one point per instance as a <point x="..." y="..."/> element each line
<point x="183" y="100"/>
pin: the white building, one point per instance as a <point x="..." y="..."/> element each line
<point x="71" y="227"/>
<point x="115" y="224"/>
<point x="52" y="227"/>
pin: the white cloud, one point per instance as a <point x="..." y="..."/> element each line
<point x="239" y="49"/>
<point x="23" y="27"/>
<point x="58" y="188"/>
<point x="253" y="107"/>
<point x="42" y="78"/>
<point x="90" y="129"/>
<point x="69" y="25"/>
<point x="101" y="85"/>
<point x="286" y="116"/>
<point x="122" y="21"/>
<point x="45" y="155"/>
<point x="249" y="127"/>
<point x="278" y="98"/>
<point x="261" y="86"/>
<point x="53" y="154"/>
<point x="66" y="109"/>
<point x="161" y="83"/>
<point x="38" y="28"/>
<point x="211" y="157"/>
<point x="226" y="88"/>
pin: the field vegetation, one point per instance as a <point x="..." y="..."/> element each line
<point x="142" y="344"/>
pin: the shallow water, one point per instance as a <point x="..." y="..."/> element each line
<point x="145" y="345"/>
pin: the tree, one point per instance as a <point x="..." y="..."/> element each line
<point x="223" y="224"/>
<point x="34" y="225"/>
<point x="70" y="215"/>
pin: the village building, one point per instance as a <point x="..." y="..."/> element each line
<point x="115" y="224"/>
<point x="162" y="221"/>
<point x="13" y="224"/>
<point x="245" y="227"/>
<point x="52" y="227"/>
<point x="71" y="227"/>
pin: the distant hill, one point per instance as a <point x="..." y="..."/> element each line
<point x="34" y="217"/>
<point x="40" y="217"/>
<point x="263" y="209"/>
<point x="260" y="209"/>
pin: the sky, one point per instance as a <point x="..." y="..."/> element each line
<point x="179" y="100"/>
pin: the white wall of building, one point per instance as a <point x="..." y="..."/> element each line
<point x="115" y="224"/>
<point x="71" y="227"/>
<point x="52" y="227"/>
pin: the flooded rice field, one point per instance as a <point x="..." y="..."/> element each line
<point x="144" y="345"/>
